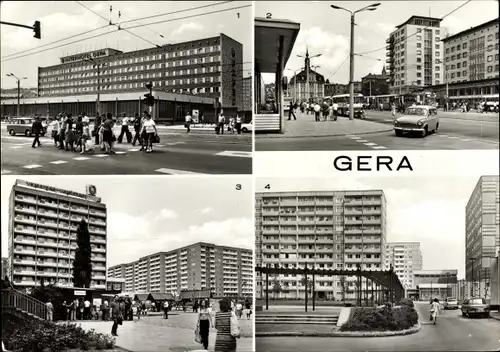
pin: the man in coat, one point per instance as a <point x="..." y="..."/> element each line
<point x="36" y="129"/>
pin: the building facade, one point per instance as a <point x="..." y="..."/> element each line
<point x="211" y="67"/>
<point x="415" y="54"/>
<point x="42" y="234"/>
<point x="482" y="229"/>
<point x="5" y="263"/>
<point x="335" y="89"/>
<point x="436" y="283"/>
<point x="226" y="271"/>
<point x="373" y="84"/>
<point x="246" y="110"/>
<point x="326" y="230"/>
<point x="307" y="77"/>
<point x="406" y="258"/>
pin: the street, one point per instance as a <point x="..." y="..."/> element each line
<point x="177" y="153"/>
<point x="457" y="131"/>
<point x="451" y="333"/>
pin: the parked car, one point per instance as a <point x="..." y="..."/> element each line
<point x="422" y="119"/>
<point x="450" y="303"/>
<point x="247" y="127"/>
<point x="475" y="306"/>
<point x="22" y="125"/>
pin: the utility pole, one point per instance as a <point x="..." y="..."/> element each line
<point x="98" y="67"/>
<point x="18" y="91"/>
<point x="472" y="277"/>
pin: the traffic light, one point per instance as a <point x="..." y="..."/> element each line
<point x="36" y="29"/>
<point x="149" y="85"/>
<point x="149" y="100"/>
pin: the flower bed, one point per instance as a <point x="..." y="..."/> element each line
<point x="382" y="319"/>
<point x="36" y="335"/>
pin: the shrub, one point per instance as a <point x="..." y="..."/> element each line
<point x="406" y="302"/>
<point x="47" y="336"/>
<point x="382" y="319"/>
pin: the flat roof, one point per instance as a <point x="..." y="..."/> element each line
<point x="470" y="30"/>
<point x="436" y="272"/>
<point x="414" y="17"/>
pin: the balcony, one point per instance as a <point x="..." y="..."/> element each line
<point x="47" y="264"/>
<point x="353" y="240"/>
<point x="24" y="261"/>
<point x="46" y="254"/>
<point x="389" y="60"/>
<point x="25" y="199"/>
<point x="353" y="203"/>
<point x="353" y="222"/>
<point x="24" y="251"/>
<point x="25" y="220"/>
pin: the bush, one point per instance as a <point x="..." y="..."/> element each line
<point x="382" y="319"/>
<point x="47" y="336"/>
<point x="406" y="302"/>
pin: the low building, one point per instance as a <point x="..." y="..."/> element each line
<point x="495" y="283"/>
<point x="115" y="284"/>
<point x="336" y="89"/>
<point x="448" y="276"/>
<point x="373" y="84"/>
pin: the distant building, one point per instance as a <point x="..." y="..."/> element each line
<point x="435" y="283"/>
<point x="246" y="109"/>
<point x="373" y="84"/>
<point x="5" y="263"/>
<point x="415" y="54"/>
<point x="336" y="89"/>
<point x="406" y="258"/>
<point x="299" y="83"/>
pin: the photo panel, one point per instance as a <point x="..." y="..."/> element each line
<point x="150" y="263"/>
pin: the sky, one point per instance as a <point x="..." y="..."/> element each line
<point x="327" y="31"/>
<point x="147" y="215"/>
<point x="425" y="209"/>
<point x="62" y="19"/>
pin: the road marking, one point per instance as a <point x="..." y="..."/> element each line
<point x="6" y="172"/>
<point x="453" y="137"/>
<point x="362" y="141"/>
<point x="81" y="158"/>
<point x="16" y="147"/>
<point x="57" y="162"/>
<point x="379" y="147"/>
<point x="120" y="152"/>
<point x="370" y="144"/>
<point x="354" y="137"/>
<point x="101" y="155"/>
<point x="234" y="153"/>
<point x="23" y="144"/>
<point x="389" y="120"/>
<point x="34" y="166"/>
<point x="177" y="172"/>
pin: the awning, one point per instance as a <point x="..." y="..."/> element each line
<point x="195" y="294"/>
<point x="141" y="297"/>
<point x="161" y="297"/>
<point x="267" y="35"/>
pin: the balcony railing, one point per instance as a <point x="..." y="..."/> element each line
<point x="17" y="300"/>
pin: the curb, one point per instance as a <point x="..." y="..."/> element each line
<point x="325" y="136"/>
<point x="410" y="331"/>
<point x="495" y="317"/>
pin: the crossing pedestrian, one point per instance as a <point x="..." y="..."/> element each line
<point x="108" y="135"/>
<point x="221" y="122"/>
<point x="188" y="121"/>
<point x="116" y="316"/>
<point x="137" y="123"/>
<point x="125" y="131"/>
<point x="36" y="129"/>
<point x="317" y="110"/>
<point x="165" y="309"/>
<point x="238" y="123"/>
<point x="291" y="111"/>
<point x="149" y="127"/>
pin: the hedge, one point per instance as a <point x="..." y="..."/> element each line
<point x="382" y="319"/>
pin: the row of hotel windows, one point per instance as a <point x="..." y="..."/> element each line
<point x="128" y="86"/>
<point x="464" y="45"/>
<point x="86" y="66"/>
<point x="489" y="58"/>
<point x="200" y="70"/>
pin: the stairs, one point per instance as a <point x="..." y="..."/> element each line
<point x="310" y="319"/>
<point x="22" y="305"/>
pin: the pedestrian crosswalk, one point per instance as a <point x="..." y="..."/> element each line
<point x="366" y="142"/>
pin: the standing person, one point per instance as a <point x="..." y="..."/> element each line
<point x="128" y="310"/>
<point x="393" y="110"/>
<point x="238" y="123"/>
<point x="239" y="309"/>
<point x="81" y="307"/>
<point x="79" y="132"/>
<point x="137" y="128"/>
<point x="188" y="122"/>
<point x="74" y="308"/>
<point x="50" y="310"/>
<point x="317" y="110"/>
<point x="232" y="124"/>
<point x="435" y="309"/>
<point x="36" y="129"/>
<point x="149" y="128"/>
<point x="325" y="110"/>
<point x="69" y="137"/>
<point x="204" y="323"/>
<point x="165" y="309"/>
<point x="56" y="129"/>
<point x="125" y="131"/>
<point x="224" y="342"/>
<point x="248" y="308"/>
<point x="105" y="311"/>
<point x="86" y="310"/>
<point x="221" y="122"/>
<point x="115" y="316"/>
<point x="335" y="111"/>
<point x="97" y="127"/>
<point x="62" y="134"/>
<point x="86" y="138"/>
<point x="108" y="135"/>
<point x="291" y="111"/>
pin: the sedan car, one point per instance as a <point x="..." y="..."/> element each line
<point x="247" y="127"/>
<point x="451" y="303"/>
<point x="475" y="306"/>
<point x="23" y="125"/>
<point x="421" y="119"/>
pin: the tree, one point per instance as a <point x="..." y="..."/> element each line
<point x="82" y="266"/>
<point x="343" y="284"/>
<point x="276" y="287"/>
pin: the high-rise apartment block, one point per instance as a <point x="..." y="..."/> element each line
<point x="473" y="55"/>
<point x="415" y="54"/>
<point x="227" y="271"/>
<point x="42" y="234"/>
<point x="405" y="258"/>
<point x="482" y="234"/>
<point x="325" y="230"/>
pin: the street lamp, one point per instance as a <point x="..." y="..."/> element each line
<point x="98" y="67"/>
<point x="439" y="61"/>
<point x="371" y="7"/>
<point x="18" y="91"/>
<point x="308" y="59"/>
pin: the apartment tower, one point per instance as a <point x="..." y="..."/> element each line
<point x="405" y="258"/>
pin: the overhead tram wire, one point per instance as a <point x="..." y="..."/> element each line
<point x="411" y="35"/>
<point x="117" y="25"/>
<point x="342" y="64"/>
<point x="55" y="42"/>
<point x="99" y="35"/>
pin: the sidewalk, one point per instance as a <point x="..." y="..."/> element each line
<point x="495" y="315"/>
<point x="138" y="337"/>
<point x="305" y="126"/>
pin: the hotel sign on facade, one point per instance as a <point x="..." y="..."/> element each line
<point x="85" y="56"/>
<point x="91" y="190"/>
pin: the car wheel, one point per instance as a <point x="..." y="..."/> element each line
<point x="27" y="133"/>
<point x="437" y="127"/>
<point x="12" y="132"/>
<point x="398" y="133"/>
<point x="424" y="132"/>
<point x="245" y="129"/>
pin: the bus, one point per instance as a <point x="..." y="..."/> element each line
<point x="376" y="102"/>
<point x="342" y="100"/>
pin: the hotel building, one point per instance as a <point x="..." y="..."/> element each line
<point x="326" y="230"/>
<point x="415" y="54"/>
<point x="482" y="233"/>
<point x="42" y="234"/>
<point x="227" y="271"/>
<point x="405" y="258"/>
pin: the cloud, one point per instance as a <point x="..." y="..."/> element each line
<point x="207" y="210"/>
<point x="453" y="25"/>
<point x="187" y="27"/>
<point x="167" y="214"/>
<point x="124" y="226"/>
<point x="385" y="28"/>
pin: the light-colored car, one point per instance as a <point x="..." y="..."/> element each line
<point x="475" y="306"/>
<point x="22" y="125"/>
<point x="247" y="127"/>
<point x="422" y="119"/>
<point x="451" y="303"/>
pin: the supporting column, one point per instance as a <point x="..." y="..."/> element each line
<point x="306" y="286"/>
<point x="314" y="294"/>
<point x="267" y="290"/>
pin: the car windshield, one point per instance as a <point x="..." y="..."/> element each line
<point x="477" y="301"/>
<point x="416" y="111"/>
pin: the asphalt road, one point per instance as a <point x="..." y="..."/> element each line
<point x="451" y="333"/>
<point x="177" y="153"/>
<point x="456" y="132"/>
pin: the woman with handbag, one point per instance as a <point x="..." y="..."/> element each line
<point x="149" y="128"/>
<point x="227" y="327"/>
<point x="203" y="325"/>
<point x="56" y="130"/>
